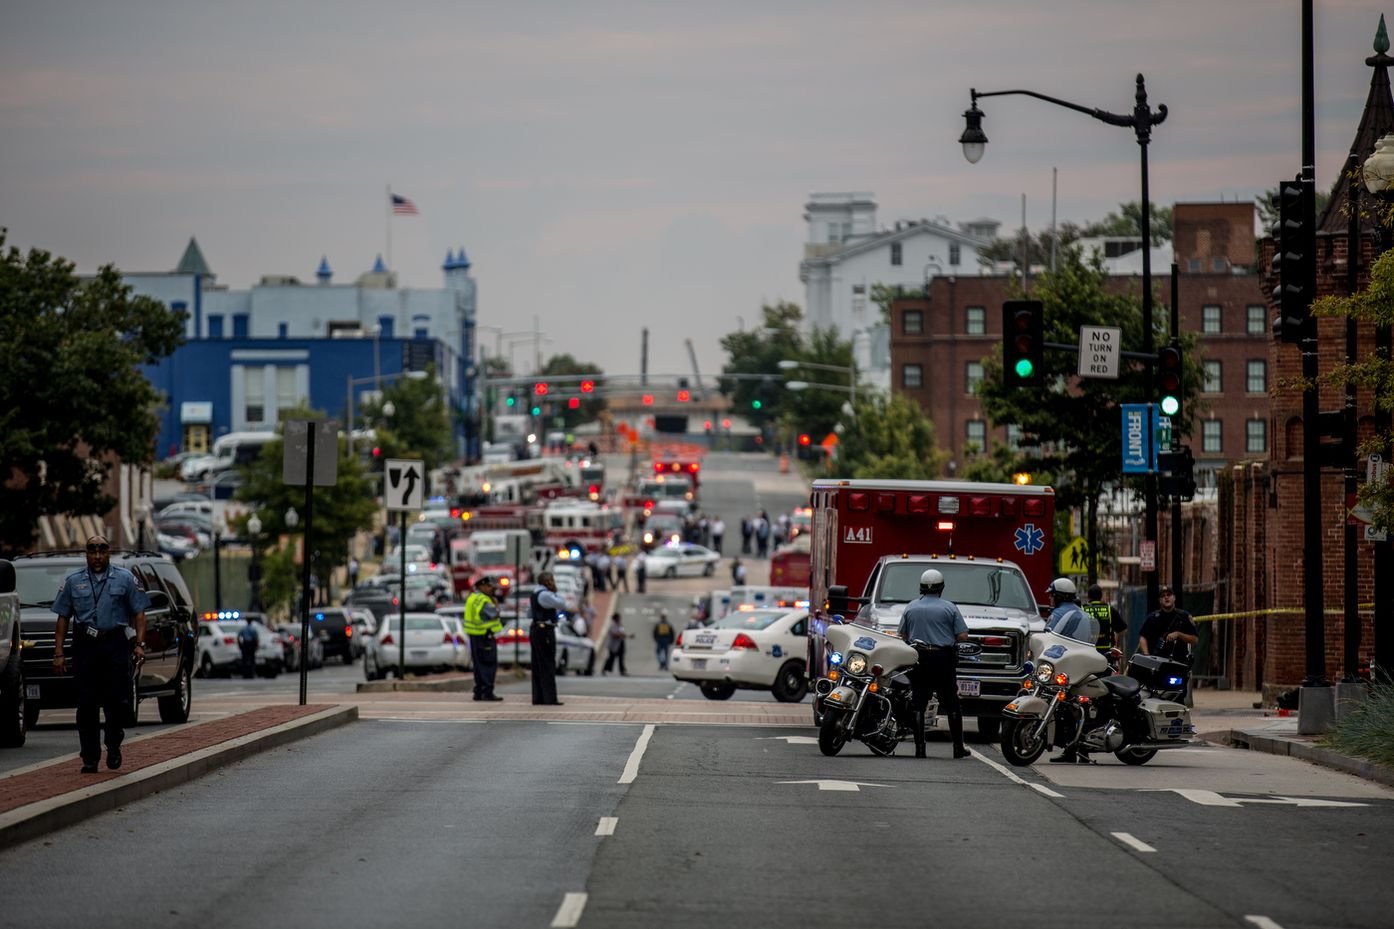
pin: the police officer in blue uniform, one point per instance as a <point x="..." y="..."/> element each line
<point x="107" y="608"/>
<point x="933" y="626"/>
<point x="543" y="636"/>
<point x="1069" y="619"/>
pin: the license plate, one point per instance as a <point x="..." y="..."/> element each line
<point x="969" y="688"/>
<point x="31" y="691"/>
<point x="699" y="664"/>
<point x="418" y="653"/>
<point x="706" y="640"/>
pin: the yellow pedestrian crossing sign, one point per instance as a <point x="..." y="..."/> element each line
<point x="1074" y="558"/>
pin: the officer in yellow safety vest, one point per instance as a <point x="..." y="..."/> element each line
<point x="1112" y="629"/>
<point x="481" y="625"/>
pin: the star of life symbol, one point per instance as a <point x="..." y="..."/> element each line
<point x="1029" y="539"/>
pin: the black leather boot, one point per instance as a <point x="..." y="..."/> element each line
<point x="956" y="730"/>
<point x="919" y="735"/>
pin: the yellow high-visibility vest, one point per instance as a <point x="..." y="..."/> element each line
<point x="475" y="624"/>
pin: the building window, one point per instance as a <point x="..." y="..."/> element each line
<point x="1014" y="437"/>
<point x="972" y="376"/>
<point x="1193" y="266"/>
<point x="975" y="436"/>
<point x="858" y="298"/>
<point x="1256" y="376"/>
<point x="1219" y="265"/>
<point x="912" y="322"/>
<point x="215" y="327"/>
<point x="1256" y="436"/>
<point x="1256" y="319"/>
<point x="1213" y="384"/>
<point x="895" y="254"/>
<point x="254" y="394"/>
<point x="240" y="322"/>
<point x="911" y="376"/>
<point x="1210" y="442"/>
<point x="1210" y="318"/>
<point x="287" y="397"/>
<point x="955" y="254"/>
<point x="385" y="324"/>
<point x="975" y="320"/>
<point x="282" y="330"/>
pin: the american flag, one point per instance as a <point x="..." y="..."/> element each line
<point x="401" y="206"/>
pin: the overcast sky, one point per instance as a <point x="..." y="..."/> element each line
<point x="609" y="165"/>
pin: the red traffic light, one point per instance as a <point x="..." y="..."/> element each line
<point x="684" y="396"/>
<point x="805" y="439"/>
<point x="574" y="403"/>
<point x="725" y="424"/>
<point x="648" y="399"/>
<point x="540" y="388"/>
<point x="587" y="387"/>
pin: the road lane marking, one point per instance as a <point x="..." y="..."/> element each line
<point x="1132" y="841"/>
<point x="607" y="825"/>
<point x="853" y="786"/>
<point x="675" y="692"/>
<point x="1262" y="922"/>
<point x="1211" y="798"/>
<point x="631" y="767"/>
<point x="1013" y="777"/>
<point x="421" y="719"/>
<point x="569" y="913"/>
<point x="791" y="739"/>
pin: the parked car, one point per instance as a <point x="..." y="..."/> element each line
<point x="575" y="652"/>
<point x="170" y="631"/>
<point x="336" y="624"/>
<point x="749" y="649"/>
<point x="430" y="646"/>
<point x="454" y="615"/>
<point x="683" y="558"/>
<point x="13" y="728"/>
<point x="375" y="598"/>
<point x="294" y="648"/>
<point x="220" y="653"/>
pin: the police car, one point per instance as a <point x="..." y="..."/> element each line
<point x="747" y="649"/>
<point x="220" y="653"/>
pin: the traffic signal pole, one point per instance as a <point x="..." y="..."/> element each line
<point x="1177" y="580"/>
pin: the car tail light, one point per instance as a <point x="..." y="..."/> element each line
<point x="678" y="643"/>
<point x="387" y="638"/>
<point x="745" y="641"/>
<point x="459" y="640"/>
<point x="448" y="640"/>
<point x="229" y="640"/>
<point x="348" y="631"/>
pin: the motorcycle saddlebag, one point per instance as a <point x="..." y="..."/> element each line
<point x="1168" y="722"/>
<point x="1156" y="672"/>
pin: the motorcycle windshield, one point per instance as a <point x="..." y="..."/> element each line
<point x="1074" y="624"/>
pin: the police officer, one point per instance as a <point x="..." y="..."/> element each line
<point x="481" y="625"/>
<point x="543" y="636"/>
<point x="1111" y="625"/>
<point x="933" y="626"/>
<point x="1069" y="620"/>
<point x="108" y="608"/>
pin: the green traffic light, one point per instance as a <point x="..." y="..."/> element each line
<point x="1024" y="368"/>
<point x="1171" y="405"/>
<point x="755" y="404"/>
<point x="510" y="401"/>
<point x="537" y="411"/>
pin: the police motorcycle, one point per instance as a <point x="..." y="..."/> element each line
<point x="1072" y="699"/>
<point x="866" y="694"/>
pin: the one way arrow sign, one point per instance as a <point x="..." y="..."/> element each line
<point x="405" y="487"/>
<point x="854" y="786"/>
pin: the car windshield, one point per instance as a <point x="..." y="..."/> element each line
<point x="490" y="557"/>
<point x="749" y="620"/>
<point x="37" y="584"/>
<point x="964" y="583"/>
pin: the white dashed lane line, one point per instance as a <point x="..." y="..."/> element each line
<point x="631" y="767"/>
<point x="1132" y="842"/>
<point x="569" y="913"/>
<point x="607" y="825"/>
<point x="1011" y="776"/>
<point x="1262" y="922"/>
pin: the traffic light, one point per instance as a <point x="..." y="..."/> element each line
<point x="684" y="395"/>
<point x="648" y="399"/>
<point x="587" y="387"/>
<point x="536" y="410"/>
<point x="756" y="404"/>
<point x="511" y="400"/>
<point x="805" y="440"/>
<point x="573" y="403"/>
<point x="1169" y="380"/>
<point x="1178" y="473"/>
<point x="1294" y="261"/>
<point x="540" y="389"/>
<point x="1023" y="343"/>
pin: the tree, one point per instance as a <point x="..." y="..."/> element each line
<point x="890" y="437"/>
<point x="1374" y="372"/>
<point x="756" y="353"/>
<point x="591" y="405"/>
<point x="1077" y="420"/>
<point x="817" y="410"/>
<point x="341" y="511"/>
<point x="1128" y="221"/>
<point x="72" y="398"/>
<point x="883" y="295"/>
<point x="419" y="426"/>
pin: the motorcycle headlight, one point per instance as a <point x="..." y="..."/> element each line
<point x="856" y="663"/>
<point x="1045" y="672"/>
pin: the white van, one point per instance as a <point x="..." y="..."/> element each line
<point x="229" y="451"/>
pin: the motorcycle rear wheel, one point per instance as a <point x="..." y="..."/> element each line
<point x="832" y="733"/>
<point x="1135" y="756"/>
<point x="1020" y="746"/>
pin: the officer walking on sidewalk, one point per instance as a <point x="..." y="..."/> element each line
<point x="543" y="636"/>
<point x="108" y="609"/>
<point x="481" y="625"/>
<point x="933" y="626"/>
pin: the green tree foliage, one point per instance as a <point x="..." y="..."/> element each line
<point x="1125" y="222"/>
<point x="817" y="410"/>
<point x="419" y="426"/>
<point x="341" y="511"/>
<point x="883" y="295"/>
<point x="890" y="437"/>
<point x="281" y="581"/>
<point x="758" y="352"/>
<point x="1128" y="220"/>
<point x="1375" y="373"/>
<point x="71" y="394"/>
<point x="591" y="404"/>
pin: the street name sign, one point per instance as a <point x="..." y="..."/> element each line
<point x="1141" y="426"/>
<point x="404" y="489"/>
<point x="1099" y="351"/>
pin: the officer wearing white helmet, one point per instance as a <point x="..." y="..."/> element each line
<point x="933" y="626"/>
<point x="1068" y="619"/>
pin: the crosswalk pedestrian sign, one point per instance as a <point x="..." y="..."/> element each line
<point x="404" y="484"/>
<point x="1074" y="558"/>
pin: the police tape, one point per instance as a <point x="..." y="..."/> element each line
<point x="1280" y="611"/>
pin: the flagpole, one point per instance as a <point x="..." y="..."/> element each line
<point x="388" y="224"/>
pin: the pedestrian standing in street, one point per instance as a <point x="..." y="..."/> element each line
<point x="542" y="635"/>
<point x="747" y="529"/>
<point x="933" y="626"/>
<point x="107" y="609"/>
<point x="620" y="566"/>
<point x="663" y="636"/>
<point x="1112" y="629"/>
<point x="718" y="530"/>
<point x="482" y="624"/>
<point x="762" y="536"/>
<point x="353" y="573"/>
<point x="737" y="572"/>
<point x="605" y="564"/>
<point x="704" y="531"/>
<point x="1170" y="632"/>
<point x="615" y="641"/>
<point x="247" y="641"/>
<point x="641" y="572"/>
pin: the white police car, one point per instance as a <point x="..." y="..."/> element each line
<point x="218" y="651"/>
<point x="746" y="649"/>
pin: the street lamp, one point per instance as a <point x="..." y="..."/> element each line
<point x="254" y="572"/>
<point x="292" y="518"/>
<point x="1140" y="120"/>
<point x="789" y="364"/>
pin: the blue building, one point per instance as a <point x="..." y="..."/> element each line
<point x="251" y="353"/>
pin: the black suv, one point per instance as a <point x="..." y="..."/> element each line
<point x="170" y="633"/>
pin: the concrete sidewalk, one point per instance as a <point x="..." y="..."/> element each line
<point x="51" y="795"/>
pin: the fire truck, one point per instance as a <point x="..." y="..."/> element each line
<point x="871" y="539"/>
<point x="790" y="563"/>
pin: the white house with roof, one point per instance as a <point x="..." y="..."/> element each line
<point x="845" y="254"/>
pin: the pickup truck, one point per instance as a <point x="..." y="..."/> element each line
<point x="13" y="724"/>
<point x="995" y="599"/>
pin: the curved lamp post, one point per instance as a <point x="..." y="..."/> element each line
<point x="254" y="572"/>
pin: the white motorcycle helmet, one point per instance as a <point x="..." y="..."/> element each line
<point x="932" y="580"/>
<point x="1062" y="588"/>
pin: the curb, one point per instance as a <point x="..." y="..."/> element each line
<point x="446" y="685"/>
<point x="28" y="822"/>
<point x="1315" y="754"/>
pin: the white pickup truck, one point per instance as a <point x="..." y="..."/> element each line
<point x="995" y="599"/>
